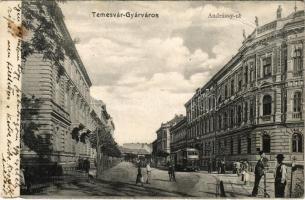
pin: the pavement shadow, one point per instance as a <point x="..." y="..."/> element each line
<point x="147" y="190"/>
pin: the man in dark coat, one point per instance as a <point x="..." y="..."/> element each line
<point x="259" y="172"/>
<point x="280" y="177"/>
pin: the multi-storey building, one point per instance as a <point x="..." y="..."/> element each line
<point x="164" y="138"/>
<point x="255" y="101"/>
<point x="163" y="134"/>
<point x="61" y="108"/>
<point x="178" y="135"/>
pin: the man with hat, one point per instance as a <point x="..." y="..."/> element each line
<point x="280" y="177"/>
<point x="258" y="172"/>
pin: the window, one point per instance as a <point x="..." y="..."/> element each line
<point x="267" y="105"/>
<point x="231" y="147"/>
<point x="246" y="112"/>
<point x="266" y="143"/>
<point x="225" y="120"/>
<point x="251" y="110"/>
<point x="267" y="67"/>
<point x="297" y="143"/>
<point x="211" y="124"/>
<point x="297" y="102"/>
<point x="249" y="145"/>
<point x="219" y="122"/>
<point x="297" y="62"/>
<point x="219" y="99"/>
<point x="239" y="82"/>
<point x="213" y="147"/>
<point x="239" y="145"/>
<point x="219" y="147"/>
<point x="226" y="91"/>
<point x="232" y="87"/>
<point x="246" y="74"/>
<point x="239" y="113"/>
<point x="251" y="72"/>
<point x="232" y="118"/>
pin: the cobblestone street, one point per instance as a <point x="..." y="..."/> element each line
<point x="120" y="181"/>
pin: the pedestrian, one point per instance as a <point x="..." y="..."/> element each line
<point x="223" y="165"/>
<point x="280" y="177"/>
<point x="173" y="172"/>
<point x="170" y="170"/>
<point x="258" y="173"/>
<point x="237" y="165"/>
<point x="246" y="173"/>
<point x="139" y="176"/>
<point x="219" y="166"/>
<point x="148" y="170"/>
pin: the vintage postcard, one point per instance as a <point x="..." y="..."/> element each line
<point x="152" y="99"/>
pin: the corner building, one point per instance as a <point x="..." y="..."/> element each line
<point x="255" y="101"/>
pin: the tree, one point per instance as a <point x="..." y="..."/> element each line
<point x="40" y="18"/>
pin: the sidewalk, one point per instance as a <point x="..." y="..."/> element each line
<point x="234" y="187"/>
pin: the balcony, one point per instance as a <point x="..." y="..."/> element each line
<point x="297" y="73"/>
<point x="296" y="115"/>
<point x="266" y="118"/>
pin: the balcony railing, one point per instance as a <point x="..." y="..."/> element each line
<point x="297" y="115"/>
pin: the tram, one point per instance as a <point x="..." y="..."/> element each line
<point x="186" y="159"/>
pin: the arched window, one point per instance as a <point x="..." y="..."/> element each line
<point x="267" y="101"/>
<point x="266" y="143"/>
<point x="297" y="142"/>
<point x="297" y="102"/>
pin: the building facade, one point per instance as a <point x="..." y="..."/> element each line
<point x="58" y="113"/>
<point x="178" y="135"/>
<point x="255" y="102"/>
<point x="163" y="134"/>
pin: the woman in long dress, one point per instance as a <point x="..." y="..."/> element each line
<point x="139" y="176"/>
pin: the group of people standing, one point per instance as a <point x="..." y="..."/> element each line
<point x="171" y="171"/>
<point x="140" y="177"/>
<point x="280" y="175"/>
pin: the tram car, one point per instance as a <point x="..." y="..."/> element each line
<point x="186" y="159"/>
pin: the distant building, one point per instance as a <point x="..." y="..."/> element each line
<point x="134" y="151"/>
<point x="143" y="146"/>
<point x="178" y="135"/>
<point x="164" y="138"/>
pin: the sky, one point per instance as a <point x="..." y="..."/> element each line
<point x="146" y="69"/>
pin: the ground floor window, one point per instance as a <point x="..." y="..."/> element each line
<point x="249" y="145"/>
<point x="266" y="143"/>
<point x="297" y="142"/>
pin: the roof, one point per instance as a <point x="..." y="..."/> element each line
<point x="134" y="151"/>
